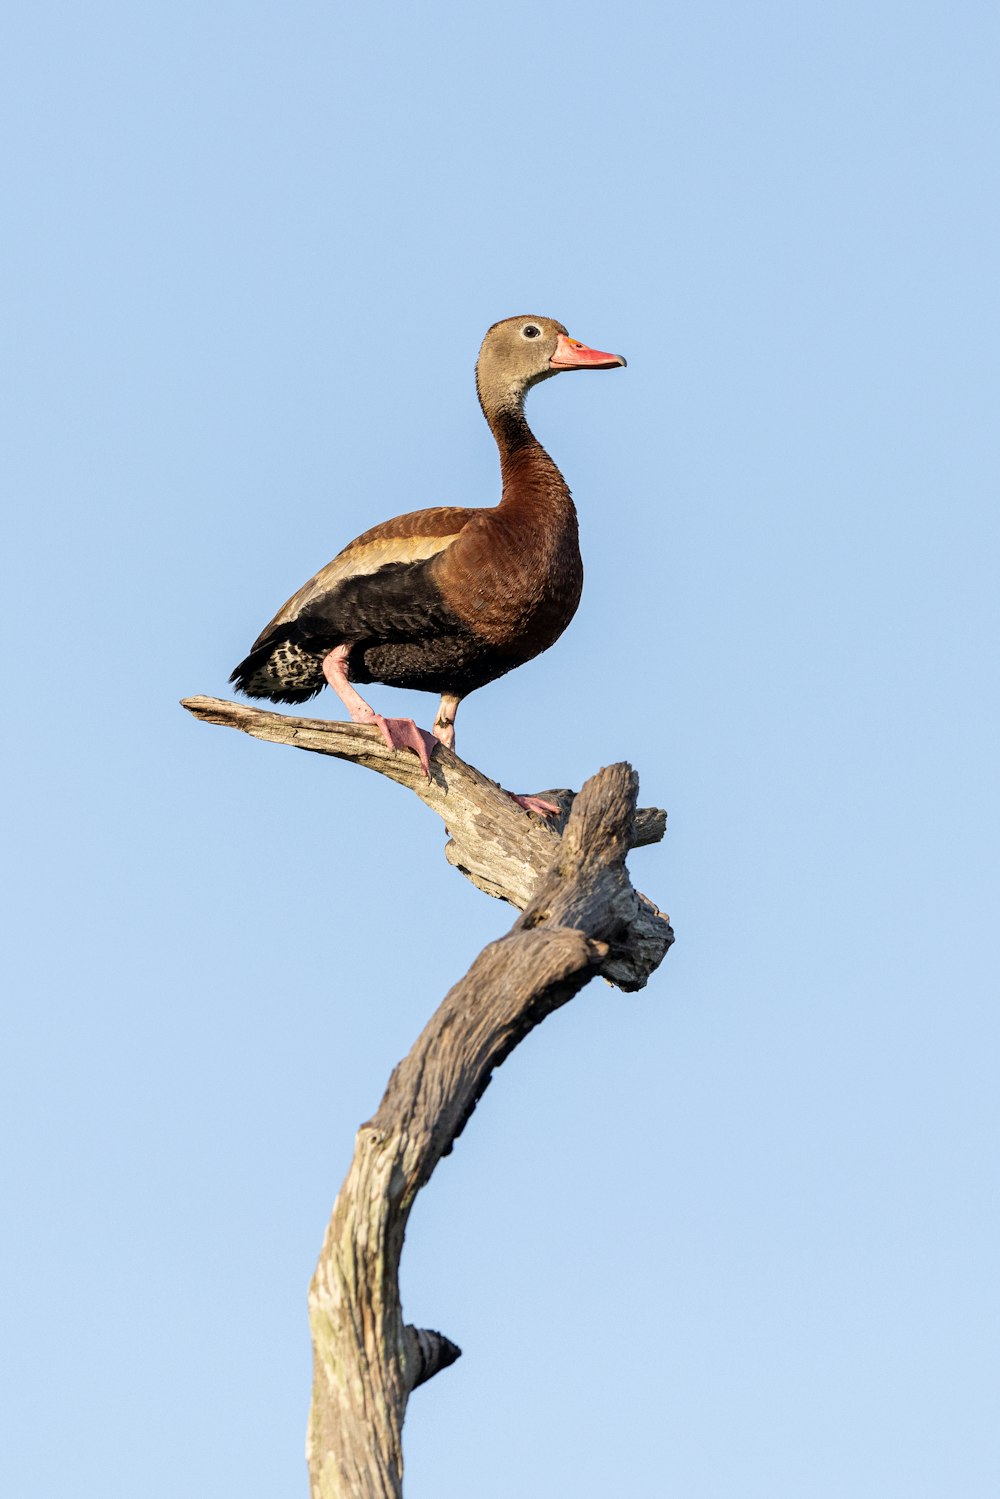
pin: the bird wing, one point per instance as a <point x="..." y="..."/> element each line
<point x="405" y="538"/>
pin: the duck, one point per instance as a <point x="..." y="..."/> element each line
<point x="447" y="599"/>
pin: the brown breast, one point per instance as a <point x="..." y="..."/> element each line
<point x="515" y="574"/>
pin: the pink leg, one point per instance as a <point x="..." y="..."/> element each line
<point x="444" y="730"/>
<point x="444" y="724"/>
<point x="398" y="733"/>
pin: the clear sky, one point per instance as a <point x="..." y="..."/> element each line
<point x="734" y="1237"/>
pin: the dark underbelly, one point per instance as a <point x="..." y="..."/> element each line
<point x="456" y="664"/>
<point x="402" y="632"/>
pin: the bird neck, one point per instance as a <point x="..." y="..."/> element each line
<point x="530" y="478"/>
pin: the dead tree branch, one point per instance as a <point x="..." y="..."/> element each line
<point x="581" y="917"/>
<point x="501" y="848"/>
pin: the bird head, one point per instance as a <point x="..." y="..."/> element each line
<point x="520" y="351"/>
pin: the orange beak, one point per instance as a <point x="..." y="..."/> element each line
<point x="570" y="355"/>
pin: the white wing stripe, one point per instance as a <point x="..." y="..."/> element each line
<point x="359" y="561"/>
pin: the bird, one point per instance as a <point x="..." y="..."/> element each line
<point x="448" y="599"/>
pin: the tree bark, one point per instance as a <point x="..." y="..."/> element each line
<point x="501" y="848"/>
<point x="581" y="917"/>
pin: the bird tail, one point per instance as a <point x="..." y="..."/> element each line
<point x="282" y="671"/>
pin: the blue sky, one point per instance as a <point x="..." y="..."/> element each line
<point x="735" y="1236"/>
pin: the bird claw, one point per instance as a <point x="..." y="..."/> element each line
<point x="535" y="804"/>
<point x="403" y="733"/>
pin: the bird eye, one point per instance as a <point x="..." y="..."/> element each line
<point x="531" y="331"/>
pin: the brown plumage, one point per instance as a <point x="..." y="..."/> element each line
<point x="447" y="599"/>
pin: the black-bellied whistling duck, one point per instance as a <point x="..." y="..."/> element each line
<point x="445" y="600"/>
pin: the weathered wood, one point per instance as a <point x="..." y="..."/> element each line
<point x="501" y="848"/>
<point x="581" y="916"/>
<point x="366" y="1361"/>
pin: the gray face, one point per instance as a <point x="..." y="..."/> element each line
<point x="515" y="355"/>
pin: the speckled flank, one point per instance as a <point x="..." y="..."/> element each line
<point x="286" y="673"/>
